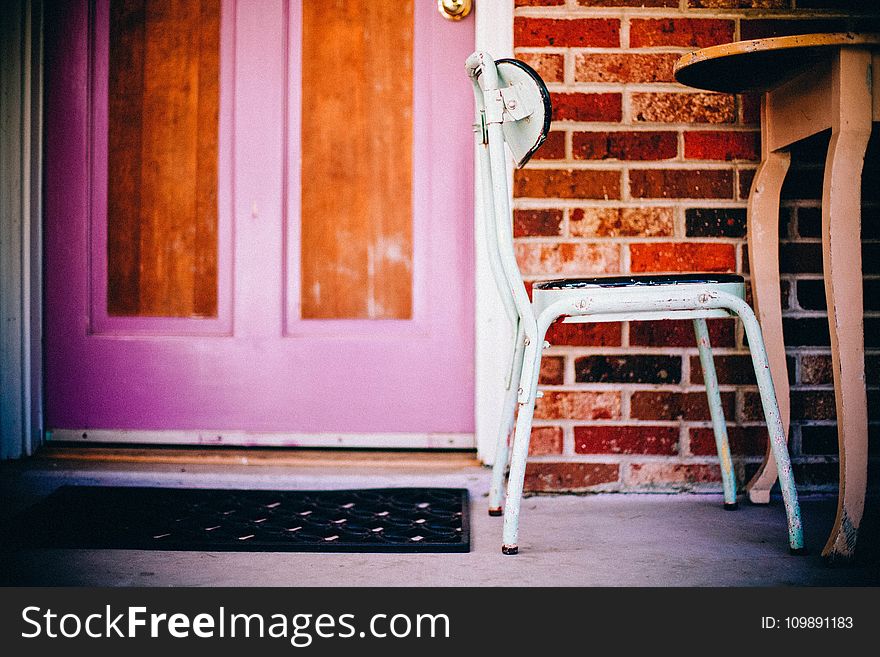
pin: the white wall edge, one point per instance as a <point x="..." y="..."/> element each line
<point x="494" y="334"/>
<point x="20" y="230"/>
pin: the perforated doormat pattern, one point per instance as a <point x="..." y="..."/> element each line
<point x="371" y="520"/>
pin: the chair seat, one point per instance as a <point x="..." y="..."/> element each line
<point x="638" y="280"/>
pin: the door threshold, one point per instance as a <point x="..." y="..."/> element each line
<point x="234" y="438"/>
<point x="262" y="456"/>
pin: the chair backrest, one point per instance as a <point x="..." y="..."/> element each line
<point x="512" y="107"/>
<point x="527" y="103"/>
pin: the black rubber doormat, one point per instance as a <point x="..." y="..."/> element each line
<point x="208" y="520"/>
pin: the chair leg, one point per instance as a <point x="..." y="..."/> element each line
<point x="775" y="428"/>
<point x="505" y="429"/>
<point x="522" y="435"/>
<point x="716" y="412"/>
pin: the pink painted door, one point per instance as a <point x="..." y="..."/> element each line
<point x="233" y="309"/>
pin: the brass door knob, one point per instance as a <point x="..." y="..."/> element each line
<point x="454" y="10"/>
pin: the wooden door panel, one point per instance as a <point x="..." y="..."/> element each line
<point x="356" y="177"/>
<point x="162" y="123"/>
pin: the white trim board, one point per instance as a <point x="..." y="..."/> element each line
<point x="20" y="228"/>
<point x="265" y="439"/>
<point x="494" y="334"/>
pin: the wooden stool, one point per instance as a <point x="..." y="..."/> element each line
<point x="810" y="83"/>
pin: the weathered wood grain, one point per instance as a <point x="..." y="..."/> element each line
<point x="357" y="160"/>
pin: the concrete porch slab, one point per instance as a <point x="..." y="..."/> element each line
<point x="566" y="540"/>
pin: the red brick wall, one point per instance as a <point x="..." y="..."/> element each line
<point x="641" y="174"/>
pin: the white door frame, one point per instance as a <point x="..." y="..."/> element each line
<point x="494" y="335"/>
<point x="21" y="401"/>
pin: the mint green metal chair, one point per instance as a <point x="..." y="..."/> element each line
<point x="513" y="107"/>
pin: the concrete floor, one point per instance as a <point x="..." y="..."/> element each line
<point x="596" y="540"/>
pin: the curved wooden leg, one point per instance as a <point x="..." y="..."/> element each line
<point x="841" y="251"/>
<point x="763" y="234"/>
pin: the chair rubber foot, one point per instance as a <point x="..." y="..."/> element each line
<point x="509" y="549"/>
<point x="731" y="506"/>
<point x="797" y="552"/>
<point x="496" y="511"/>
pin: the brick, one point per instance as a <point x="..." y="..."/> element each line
<point x="560" y="405"/>
<point x="625" y="68"/>
<point x="538" y="3"/>
<point x="743" y="441"/>
<point x="550" y="66"/>
<point x="552" y="370"/>
<point x="787" y="223"/>
<point x="816" y="369"/>
<point x="800" y="258"/>
<point x="628" y="369"/>
<point x="682" y="256"/>
<point x="816" y="474"/>
<point x="809" y="222"/>
<point x="545" y="441"/>
<point x="726" y="146"/>
<point x="681" y="183"/>
<point x="784" y="293"/>
<point x="566" y="183"/>
<point x="811" y="294"/>
<point x="664" y="475"/>
<point x="628" y="3"/>
<point x="813" y="405"/>
<point x="740" y="4"/>
<point x="680" y="333"/>
<point x="735" y="369"/>
<point x="605" y="107"/>
<point x="870" y="221"/>
<point x="680" y="32"/>
<point x="688" y="406"/>
<point x="744" y="185"/>
<point x="553" y="147"/>
<point x="818" y="439"/>
<point x="621" y="222"/>
<point x="715" y="222"/>
<point x="751" y="107"/>
<point x="637" y="145"/>
<point x="543" y="477"/>
<point x="806" y="332"/>
<point x="871" y="171"/>
<point x="639" y="439"/>
<point x="567" y="258"/>
<point x="872" y="370"/>
<point x="672" y="107"/>
<point x="537" y="223"/>
<point x="570" y="33"/>
<point x="871" y="252"/>
<point x="596" y="334"/>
